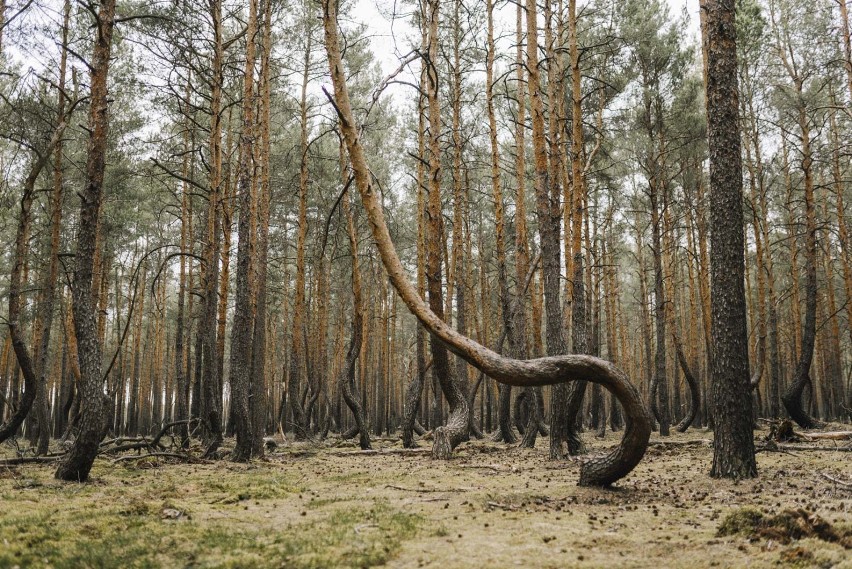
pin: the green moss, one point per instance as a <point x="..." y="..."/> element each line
<point x="353" y="538"/>
<point x="118" y="525"/>
<point x="787" y="526"/>
<point x="743" y="521"/>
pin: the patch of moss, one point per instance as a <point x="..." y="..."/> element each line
<point x="743" y="521"/>
<point x="787" y="526"/>
<point x="351" y="538"/>
<point x="130" y="533"/>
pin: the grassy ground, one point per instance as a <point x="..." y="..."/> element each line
<point x="491" y="506"/>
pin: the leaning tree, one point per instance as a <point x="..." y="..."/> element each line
<point x="550" y="370"/>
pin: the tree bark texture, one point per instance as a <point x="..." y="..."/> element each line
<point x="733" y="449"/>
<point x="93" y="407"/>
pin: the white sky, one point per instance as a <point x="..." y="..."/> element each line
<point x="391" y="39"/>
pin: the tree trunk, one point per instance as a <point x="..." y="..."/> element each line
<point x="243" y="323"/>
<point x="93" y="420"/>
<point x="47" y="300"/>
<point x="258" y="380"/>
<point x="659" y="385"/>
<point x="414" y="392"/>
<point x="207" y="373"/>
<point x="542" y="371"/>
<point x="733" y="449"/>
<point x="447" y="437"/>
<point x="792" y="397"/>
<point x="504" y="432"/>
<point x="298" y="355"/>
<point x="347" y="372"/>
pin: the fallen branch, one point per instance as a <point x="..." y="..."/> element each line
<point x="830" y="436"/>
<point x="508" y="507"/>
<point x="781" y="447"/>
<point x="29" y="460"/>
<point x="427" y="490"/>
<point x="379" y="451"/>
<point x="146" y="444"/>
<point x="695" y="443"/>
<point x="836" y="480"/>
<point x="184" y="457"/>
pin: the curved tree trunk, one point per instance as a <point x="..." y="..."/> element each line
<point x="34" y="371"/>
<point x="792" y="397"/>
<point x="541" y="371"/>
<point x="448" y="436"/>
<point x="694" y="393"/>
<point x="347" y="371"/>
<point x="25" y="360"/>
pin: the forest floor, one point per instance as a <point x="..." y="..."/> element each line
<point x="324" y="505"/>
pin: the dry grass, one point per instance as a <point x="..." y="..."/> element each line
<point x="491" y="506"/>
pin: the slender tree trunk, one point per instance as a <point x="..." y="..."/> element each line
<point x="446" y="437"/>
<point x="505" y="432"/>
<point x="181" y="379"/>
<point x="208" y="372"/>
<point x="258" y="385"/>
<point x="347" y="374"/>
<point x="659" y="385"/>
<point x="414" y="392"/>
<point x="17" y="280"/>
<point x="243" y="323"/>
<point x="297" y="357"/>
<point x="93" y="420"/>
<point x="549" y="236"/>
<point x="227" y="200"/>
<point x="48" y="298"/>
<point x="792" y="397"/>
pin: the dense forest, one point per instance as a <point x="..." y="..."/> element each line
<point x="241" y="229"/>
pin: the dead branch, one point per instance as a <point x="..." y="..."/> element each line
<point x="29" y="460"/>
<point x="831" y="436"/>
<point x="183" y="457"/>
<point x="379" y="451"/>
<point x="836" y="480"/>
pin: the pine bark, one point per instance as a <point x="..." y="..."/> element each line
<point x="207" y="365"/>
<point x="347" y="373"/>
<point x="243" y="322"/>
<point x="93" y="406"/>
<point x="258" y="381"/>
<point x="733" y="449"/>
<point x="297" y="352"/>
<point x="505" y="432"/>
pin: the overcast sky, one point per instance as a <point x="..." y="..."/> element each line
<point x="390" y="37"/>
